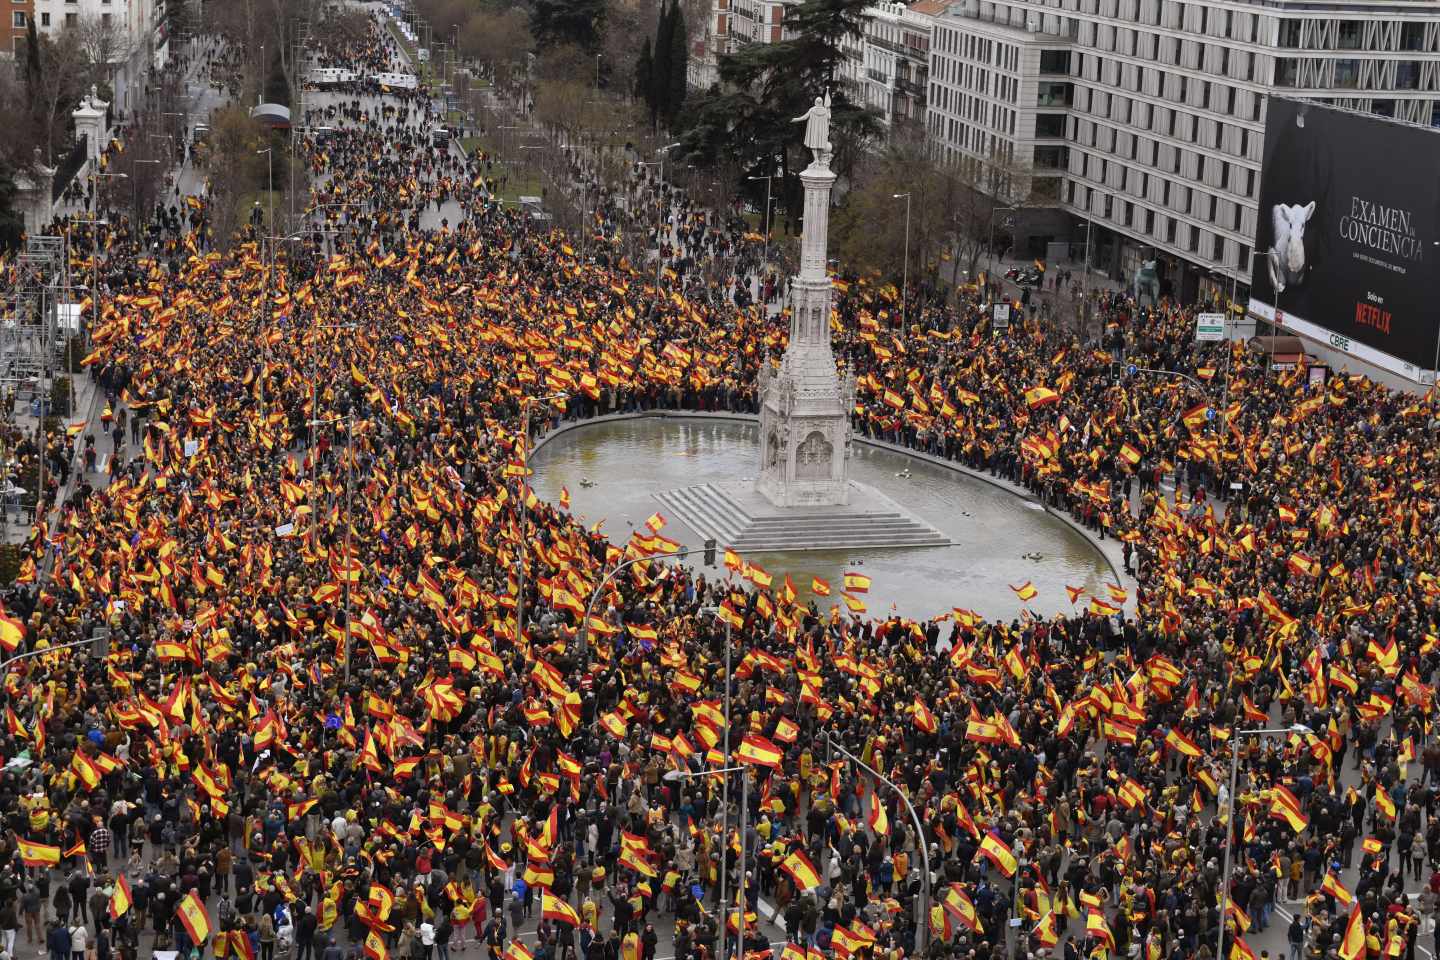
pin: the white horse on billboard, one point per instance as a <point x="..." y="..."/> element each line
<point x="1287" y="251"/>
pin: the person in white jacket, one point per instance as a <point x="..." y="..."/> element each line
<point x="79" y="940"/>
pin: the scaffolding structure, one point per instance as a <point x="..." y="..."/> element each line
<point x="27" y="333"/>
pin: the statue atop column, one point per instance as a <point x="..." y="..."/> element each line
<point x="817" y="130"/>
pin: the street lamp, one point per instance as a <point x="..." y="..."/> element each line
<point x="349" y="421"/>
<point x="924" y="921"/>
<point x="765" y="256"/>
<point x="270" y="163"/>
<point x="662" y="153"/>
<point x="905" y="281"/>
<point x="598" y="56"/>
<point x="95" y="193"/>
<point x="520" y="548"/>
<point x="1235" y="736"/>
<point x="744" y="772"/>
<point x="135" y="187"/>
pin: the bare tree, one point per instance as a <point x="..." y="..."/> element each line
<point x="104" y="45"/>
<point x="499" y="40"/>
<point x="64" y="70"/>
<point x="234" y="139"/>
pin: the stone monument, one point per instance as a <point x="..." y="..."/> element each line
<point x="805" y="406"/>
<point x="803" y="498"/>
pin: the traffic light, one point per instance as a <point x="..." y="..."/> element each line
<point x="710" y="552"/>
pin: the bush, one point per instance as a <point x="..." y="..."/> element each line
<point x="74" y="353"/>
<point x="60" y="397"/>
<point x="11" y="556"/>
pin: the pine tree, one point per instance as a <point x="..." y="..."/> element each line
<point x="12" y="222"/>
<point x="763" y="86"/>
<point x="679" y="63"/>
<point x="660" y="75"/>
<point x="32" y="56"/>
<point x="645" y="76"/>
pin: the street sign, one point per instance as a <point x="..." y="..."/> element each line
<point x="1210" y="326"/>
<point x="1002" y="317"/>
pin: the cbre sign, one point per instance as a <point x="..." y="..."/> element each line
<point x="1210" y="326"/>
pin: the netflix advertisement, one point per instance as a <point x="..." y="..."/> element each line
<point x="1345" y="243"/>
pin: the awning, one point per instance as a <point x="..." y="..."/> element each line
<point x="272" y="115"/>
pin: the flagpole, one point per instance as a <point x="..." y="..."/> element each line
<point x="919" y="837"/>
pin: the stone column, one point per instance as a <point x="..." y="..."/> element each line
<point x="90" y="124"/>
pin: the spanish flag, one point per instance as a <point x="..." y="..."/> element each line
<point x="38" y="854"/>
<point x="819" y="587"/>
<point x="555" y="908"/>
<point x="1040" y="396"/>
<point x="992" y="849"/>
<point x="1026" y="591"/>
<point x="760" y="751"/>
<point x="857" y="582"/>
<point x="801" y="870"/>
<point x="1284" y="805"/>
<point x="875" y="818"/>
<point x="375" y="946"/>
<point x="120" y="899"/>
<point x="1352" y="945"/>
<point x="1096" y="927"/>
<point x="12" y="631"/>
<point x="1240" y="950"/>
<point x="1181" y="744"/>
<point x="193" y="918"/>
<point x="1336" y="889"/>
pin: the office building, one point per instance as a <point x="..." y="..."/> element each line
<point x="1143" y="120"/>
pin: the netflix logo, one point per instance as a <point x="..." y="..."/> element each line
<point x="1370" y="315"/>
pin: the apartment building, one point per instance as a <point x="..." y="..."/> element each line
<point x="17" y="27"/>
<point x="886" y="68"/>
<point x="1144" y="120"/>
<point x="134" y="34"/>
<point x="731" y="24"/>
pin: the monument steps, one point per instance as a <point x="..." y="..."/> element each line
<point x="715" y="511"/>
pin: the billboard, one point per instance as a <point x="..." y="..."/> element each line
<point x="1349" y="217"/>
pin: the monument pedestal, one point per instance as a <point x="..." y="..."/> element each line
<point x="739" y="516"/>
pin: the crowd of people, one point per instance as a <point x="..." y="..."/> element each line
<point x="351" y="704"/>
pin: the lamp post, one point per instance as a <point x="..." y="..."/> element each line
<point x="924" y="922"/>
<point x="744" y="772"/>
<point x="991" y="230"/>
<point x="95" y="193"/>
<point x="905" y="280"/>
<point x="520" y="548"/>
<point x="598" y="57"/>
<point x="1230" y="815"/>
<point x="349" y="421"/>
<point x="134" y="187"/>
<point x="270" y="163"/>
<point x="94" y="269"/>
<point x="662" y="152"/>
<point x="765" y="256"/>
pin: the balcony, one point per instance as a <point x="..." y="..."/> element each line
<point x="910" y="85"/>
<point x="878" y="76"/>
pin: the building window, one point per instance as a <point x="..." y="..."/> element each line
<point x="1412" y="36"/>
<point x="1347" y="73"/>
<point x="1286" y="70"/>
<point x="1350" y="33"/>
<point x="19" y="19"/>
<point x="44" y="19"/>
<point x="1290" y="34"/>
<point x="72" y="19"/>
